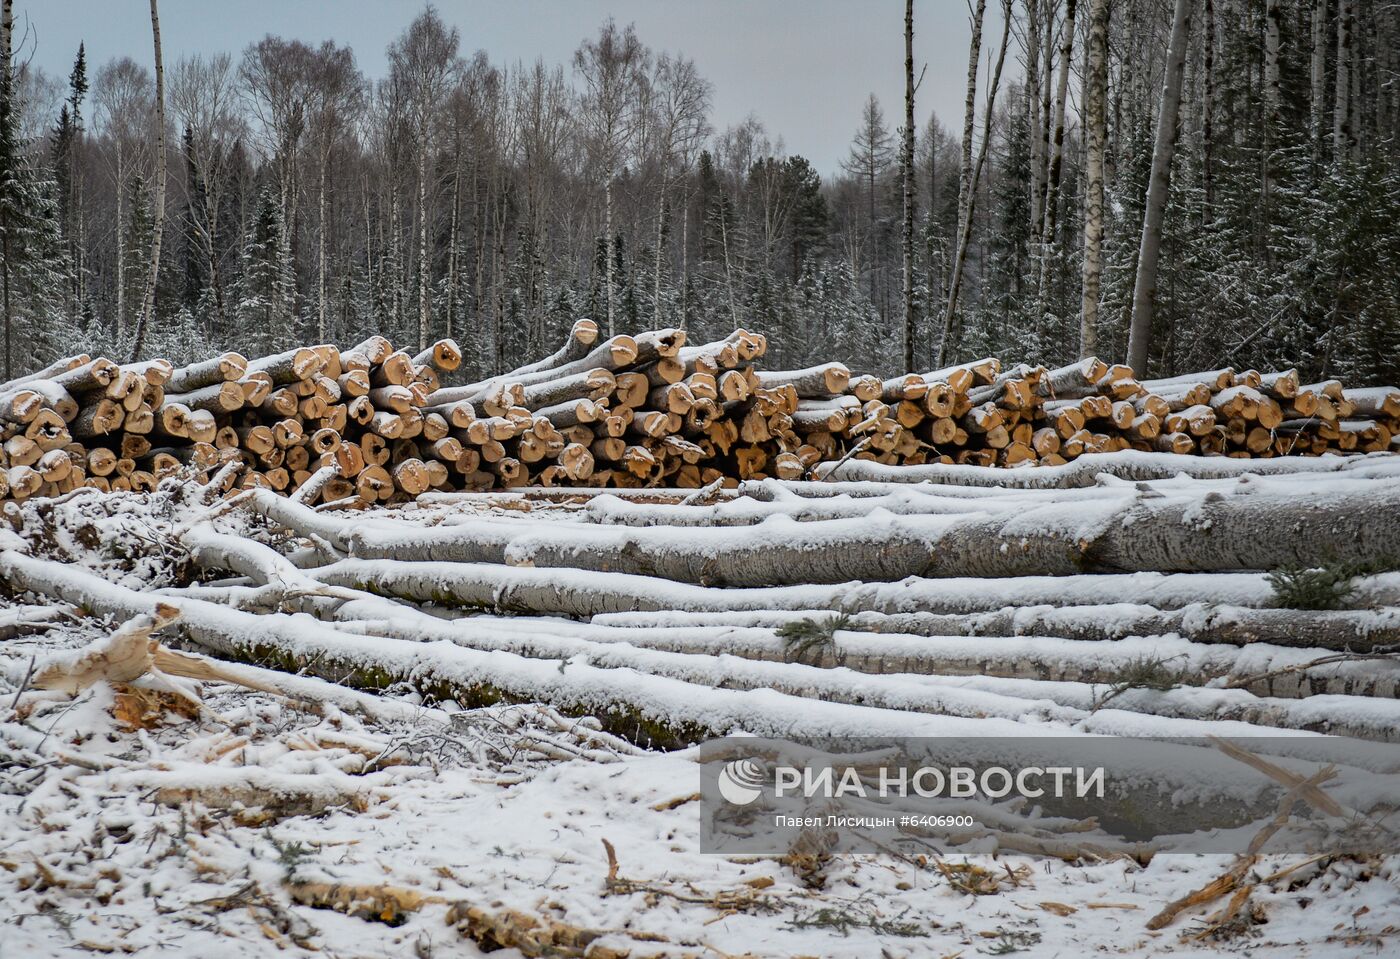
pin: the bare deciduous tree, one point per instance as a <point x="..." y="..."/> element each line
<point x="7" y="26"/>
<point x="907" y="173"/>
<point x="543" y="115"/>
<point x="1050" y="189"/>
<point x="970" y="193"/>
<point x="124" y="97"/>
<point x="679" y="101"/>
<point x="1318" y="76"/>
<point x="148" y="300"/>
<point x="613" y="69"/>
<point x="1096" y="129"/>
<point x="276" y="77"/>
<point x="424" y="64"/>
<point x="335" y="92"/>
<point x="1034" y="45"/>
<point x="203" y="99"/>
<point x="1158" y="185"/>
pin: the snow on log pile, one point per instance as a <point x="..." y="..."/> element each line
<point x="628" y="412"/>
<point x="864" y="605"/>
<point x="596" y="627"/>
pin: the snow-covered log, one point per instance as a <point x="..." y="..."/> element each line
<point x="1184" y="531"/>
<point x="1084" y="471"/>
<point x="1361" y="631"/>
<point x="582" y="336"/>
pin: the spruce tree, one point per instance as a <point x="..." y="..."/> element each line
<point x="33" y="274"/>
<point x="264" y="307"/>
<point x="809" y="216"/>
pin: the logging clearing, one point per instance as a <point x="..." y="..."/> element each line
<point x="600" y="638"/>
<point x="472" y="593"/>
<point x="524" y="638"/>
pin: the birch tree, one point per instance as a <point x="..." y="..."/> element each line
<point x="1158" y="186"/>
<point x="1051" y="188"/>
<point x="7" y="30"/>
<point x="9" y="146"/>
<point x="970" y="192"/>
<point x="974" y="62"/>
<point x="124" y="101"/>
<point x="424" y="64"/>
<point x="613" y="69"/>
<point x="1318" y="77"/>
<point x="276" y="76"/>
<point x="680" y="101"/>
<point x="148" y="300"/>
<point x="1342" y="132"/>
<point x="1096" y="130"/>
<point x="1273" y="93"/>
<point x="1032" y="67"/>
<point x="907" y="174"/>
<point x="335" y="89"/>
<point x="542" y="107"/>
<point x="203" y="100"/>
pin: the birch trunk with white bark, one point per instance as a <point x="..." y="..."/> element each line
<point x="1096" y="123"/>
<point x="1158" y="187"/>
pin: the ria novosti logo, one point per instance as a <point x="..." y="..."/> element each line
<point x="741" y="781"/>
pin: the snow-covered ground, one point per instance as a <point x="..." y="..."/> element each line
<point x="168" y="816"/>
<point x="212" y="834"/>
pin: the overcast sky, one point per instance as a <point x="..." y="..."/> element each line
<point x="803" y="67"/>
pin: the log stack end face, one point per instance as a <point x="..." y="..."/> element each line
<point x="634" y="411"/>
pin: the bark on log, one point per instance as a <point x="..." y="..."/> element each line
<point x="1084" y="471"/>
<point x="92" y="376"/>
<point x="613" y="354"/>
<point x="54" y="369"/>
<point x="1197" y="531"/>
<point x="219" y="369"/>
<point x="581" y="338"/>
<point x="815" y="382"/>
<point x="590" y="384"/>
<point x="670" y="714"/>
<point x="1375" y="401"/>
<point x="217" y="398"/>
<point x="884" y="654"/>
<point x="297" y="364"/>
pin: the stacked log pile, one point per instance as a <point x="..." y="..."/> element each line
<point x="376" y="423"/>
<point x="679" y="617"/>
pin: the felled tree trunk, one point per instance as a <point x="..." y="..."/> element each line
<point x="1361" y="631"/>
<point x="1086" y="470"/>
<point x="1196" y="531"/>
<point x="1262" y="669"/>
